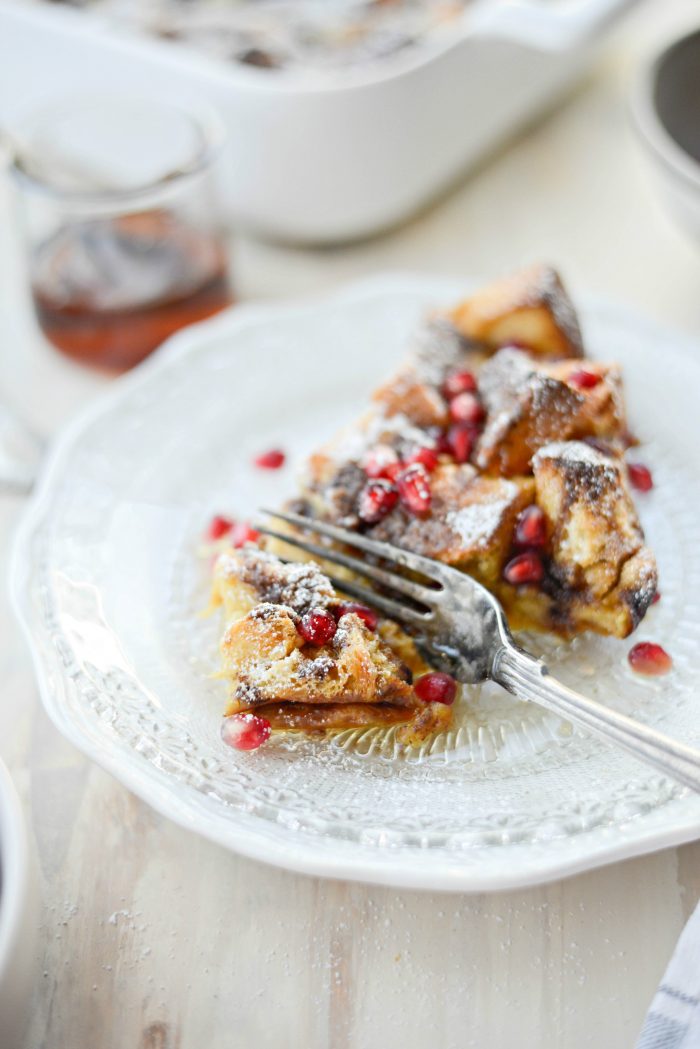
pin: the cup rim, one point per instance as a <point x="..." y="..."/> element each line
<point x="649" y="124"/>
<point x="206" y="121"/>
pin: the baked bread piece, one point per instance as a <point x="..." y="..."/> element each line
<point x="529" y="403"/>
<point x="354" y="679"/>
<point x="530" y="308"/>
<point x="524" y="401"/>
<point x="471" y="522"/>
<point x="600" y="572"/>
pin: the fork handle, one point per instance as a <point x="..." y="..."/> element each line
<point x="529" y="678"/>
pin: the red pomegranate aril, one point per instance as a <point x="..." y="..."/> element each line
<point x="317" y="627"/>
<point x="413" y="485"/>
<point x="458" y="382"/>
<point x="393" y="470"/>
<point x="442" y="445"/>
<point x="426" y="456"/>
<point x="531" y="527"/>
<point x="582" y="379"/>
<point x="377" y="499"/>
<point x="219" y="527"/>
<point x="271" y="460"/>
<point x="525" y="568"/>
<point x="466" y="408"/>
<point x="640" y="477"/>
<point x="460" y="441"/>
<point x="650" y="659"/>
<point x="378" y="460"/>
<point x="436" y="687"/>
<point x="245" y="731"/>
<point x="242" y="533"/>
<point x="368" y="616"/>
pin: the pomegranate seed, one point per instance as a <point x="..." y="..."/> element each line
<point x="377" y="499"/>
<point x="531" y="527"/>
<point x="378" y="460"/>
<point x="271" y="460"/>
<point x="582" y="379"/>
<point x="317" y="627"/>
<point x="442" y="445"/>
<point x="656" y="598"/>
<point x="458" y="382"/>
<point x="466" y="408"/>
<point x="640" y="477"/>
<point x="368" y="616"/>
<point x="242" y="533"/>
<point x="525" y="568"/>
<point x="436" y="687"/>
<point x="393" y="470"/>
<point x="426" y="456"/>
<point x="245" y="731"/>
<point x="413" y="484"/>
<point x="219" y="527"/>
<point x="460" y="441"/>
<point x="648" y="658"/>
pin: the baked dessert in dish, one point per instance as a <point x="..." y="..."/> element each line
<point x="496" y="448"/>
<point x="294" y="34"/>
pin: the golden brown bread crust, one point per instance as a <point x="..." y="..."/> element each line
<point x="530" y="403"/>
<point x="267" y="660"/>
<point x="526" y="408"/>
<point x="408" y="395"/>
<point x="358" y="678"/>
<point x="530" y="308"/>
<point x="321" y="718"/>
<point x="431" y="718"/>
<point x="597" y="545"/>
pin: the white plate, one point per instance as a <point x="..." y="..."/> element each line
<point x="108" y="587"/>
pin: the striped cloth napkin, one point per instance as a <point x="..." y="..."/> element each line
<point x="673" y="1021"/>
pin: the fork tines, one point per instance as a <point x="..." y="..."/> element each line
<point x="417" y="593"/>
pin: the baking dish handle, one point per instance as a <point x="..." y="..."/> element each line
<point x="558" y="26"/>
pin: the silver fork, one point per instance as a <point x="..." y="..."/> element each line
<point x="463" y="628"/>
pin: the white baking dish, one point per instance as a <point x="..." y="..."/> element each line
<point x="328" y="157"/>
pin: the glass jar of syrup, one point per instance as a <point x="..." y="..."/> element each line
<point x="123" y="226"/>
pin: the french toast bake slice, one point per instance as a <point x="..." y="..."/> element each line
<point x="299" y="656"/>
<point x="496" y="448"/>
<point x="474" y="424"/>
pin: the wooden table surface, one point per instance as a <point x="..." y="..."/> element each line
<point x="154" y="939"/>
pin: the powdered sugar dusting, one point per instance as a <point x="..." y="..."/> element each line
<point x="476" y="524"/>
<point x="573" y="452"/>
<point x="300" y="586"/>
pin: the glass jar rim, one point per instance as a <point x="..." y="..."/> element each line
<point x="204" y="121"/>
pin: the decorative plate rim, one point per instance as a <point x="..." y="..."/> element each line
<point x="673" y="823"/>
